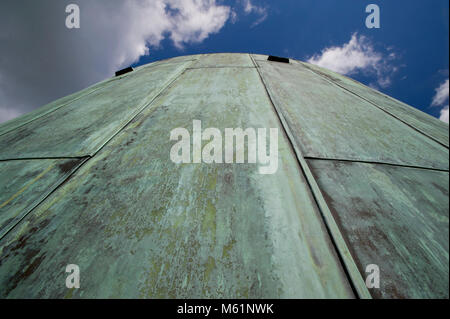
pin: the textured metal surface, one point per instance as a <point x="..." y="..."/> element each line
<point x="81" y="127"/>
<point x="419" y="120"/>
<point x="24" y="184"/>
<point x="346" y="258"/>
<point x="46" y="109"/>
<point x="224" y="60"/>
<point x="394" y="217"/>
<point x="261" y="57"/>
<point x="185" y="58"/>
<point x="139" y="225"/>
<point x="329" y="122"/>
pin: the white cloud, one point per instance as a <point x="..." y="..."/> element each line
<point x="8" y="114"/>
<point x="358" y="55"/>
<point x="249" y="7"/>
<point x="444" y="114"/>
<point x="233" y="16"/>
<point x="42" y="60"/>
<point x="441" y="95"/>
<point x="196" y="20"/>
<point x="441" y="99"/>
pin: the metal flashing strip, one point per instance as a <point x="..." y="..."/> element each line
<point x="355" y="278"/>
<point x="222" y="67"/>
<point x="373" y="162"/>
<point x="41" y="158"/>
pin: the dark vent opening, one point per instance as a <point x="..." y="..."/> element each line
<point x="277" y="59"/>
<point x="123" y="71"/>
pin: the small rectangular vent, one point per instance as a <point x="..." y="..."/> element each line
<point x="277" y="59"/>
<point x="123" y="71"/>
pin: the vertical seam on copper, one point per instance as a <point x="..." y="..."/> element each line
<point x="351" y="270"/>
<point x="86" y="159"/>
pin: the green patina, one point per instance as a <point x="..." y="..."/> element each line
<point x="87" y="180"/>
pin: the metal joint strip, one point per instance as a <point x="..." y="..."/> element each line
<point x="355" y="278"/>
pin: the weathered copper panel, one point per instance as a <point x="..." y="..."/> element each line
<point x="224" y="60"/>
<point x="81" y="127"/>
<point x="179" y="59"/>
<point x="394" y="217"/>
<point x="328" y="122"/>
<point x="423" y="122"/>
<point x="260" y="57"/>
<point x="25" y="183"/>
<point x="139" y="225"/>
<point x="39" y="112"/>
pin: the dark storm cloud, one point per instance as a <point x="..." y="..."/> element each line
<point x="42" y="60"/>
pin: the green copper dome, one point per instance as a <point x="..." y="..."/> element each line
<point x="362" y="180"/>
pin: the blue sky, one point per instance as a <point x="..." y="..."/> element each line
<point x="415" y="30"/>
<point x="42" y="60"/>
